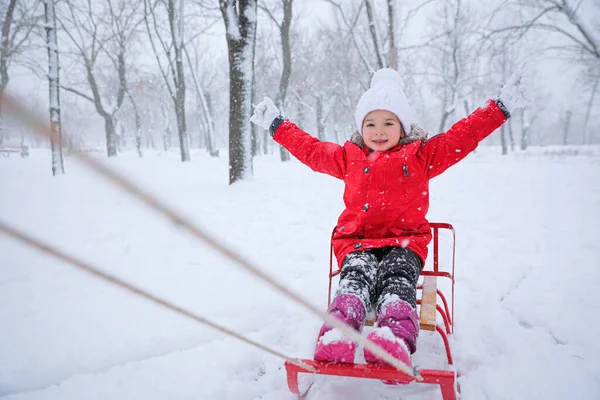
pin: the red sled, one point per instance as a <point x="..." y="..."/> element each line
<point x="429" y="309"/>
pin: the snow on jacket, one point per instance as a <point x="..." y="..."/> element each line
<point x="387" y="192"/>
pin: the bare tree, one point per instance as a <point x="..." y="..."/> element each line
<point x="102" y="35"/>
<point x="240" y="23"/>
<point x="546" y="15"/>
<point x="374" y="34"/>
<point x="350" y="23"/>
<point x="54" y="90"/>
<point x="325" y="99"/>
<point x="383" y="47"/>
<point x="392" y="54"/>
<point x="173" y="50"/>
<point x="206" y="120"/>
<point x="581" y="43"/>
<point x="395" y="30"/>
<point x="452" y="64"/>
<point x="5" y="49"/>
<point x="18" y="22"/>
<point x="5" y="52"/>
<point x="286" y="73"/>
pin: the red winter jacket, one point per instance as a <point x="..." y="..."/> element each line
<point x="387" y="192"/>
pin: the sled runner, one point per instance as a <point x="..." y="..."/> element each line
<point x="429" y="310"/>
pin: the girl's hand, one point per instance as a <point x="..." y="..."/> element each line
<point x="516" y="92"/>
<point x="264" y="113"/>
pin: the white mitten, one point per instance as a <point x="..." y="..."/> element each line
<point x="264" y="113"/>
<point x="516" y="92"/>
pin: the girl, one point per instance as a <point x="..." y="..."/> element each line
<point x="381" y="238"/>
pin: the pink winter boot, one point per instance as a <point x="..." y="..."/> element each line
<point x="333" y="345"/>
<point x="396" y="332"/>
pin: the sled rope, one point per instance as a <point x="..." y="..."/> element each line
<point x="154" y="203"/>
<point x="113" y="280"/>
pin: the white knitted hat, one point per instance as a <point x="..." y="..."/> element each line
<point x="386" y="93"/>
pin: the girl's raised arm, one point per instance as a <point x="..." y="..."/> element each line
<point x="324" y="157"/>
<point x="444" y="150"/>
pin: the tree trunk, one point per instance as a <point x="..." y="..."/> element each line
<point x="111" y="135"/>
<point x="166" y="132"/>
<point x="284" y="155"/>
<point x="393" y="54"/>
<point x="138" y="134"/>
<point x="167" y="135"/>
<point x="209" y="132"/>
<point x="265" y="142"/>
<point x="511" y="137"/>
<point x="213" y="151"/>
<point x="138" y="126"/>
<point x="4" y="50"/>
<point x="503" y="140"/>
<point x="240" y="25"/>
<point x="254" y="142"/>
<point x="2" y="129"/>
<point x="284" y="30"/>
<point x="54" y="90"/>
<point x="567" y="129"/>
<point x="586" y="139"/>
<point x="150" y="142"/>
<point x="445" y="116"/>
<point x="524" y="129"/>
<point x="320" y="125"/>
<point x="374" y="34"/>
<point x="109" y="126"/>
<point x="467" y="107"/>
<point x="176" y="24"/>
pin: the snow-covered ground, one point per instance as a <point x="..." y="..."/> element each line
<point x="527" y="300"/>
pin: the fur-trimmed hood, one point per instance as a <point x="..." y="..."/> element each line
<point x="416" y="133"/>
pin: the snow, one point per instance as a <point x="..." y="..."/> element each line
<point x="526" y="279"/>
<point x="386" y="333"/>
<point x="333" y="336"/>
<point x="233" y="28"/>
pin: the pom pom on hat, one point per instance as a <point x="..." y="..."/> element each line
<point x="386" y="93"/>
<point x="387" y="76"/>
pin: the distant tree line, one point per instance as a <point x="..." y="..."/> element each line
<point x="185" y="74"/>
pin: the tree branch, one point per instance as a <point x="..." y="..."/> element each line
<point x="78" y="93"/>
<point x="265" y="9"/>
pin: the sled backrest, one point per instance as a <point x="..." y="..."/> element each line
<point x="429" y="303"/>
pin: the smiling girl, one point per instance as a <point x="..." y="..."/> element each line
<point x="381" y="238"/>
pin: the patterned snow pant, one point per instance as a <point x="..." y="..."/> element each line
<point x="380" y="275"/>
